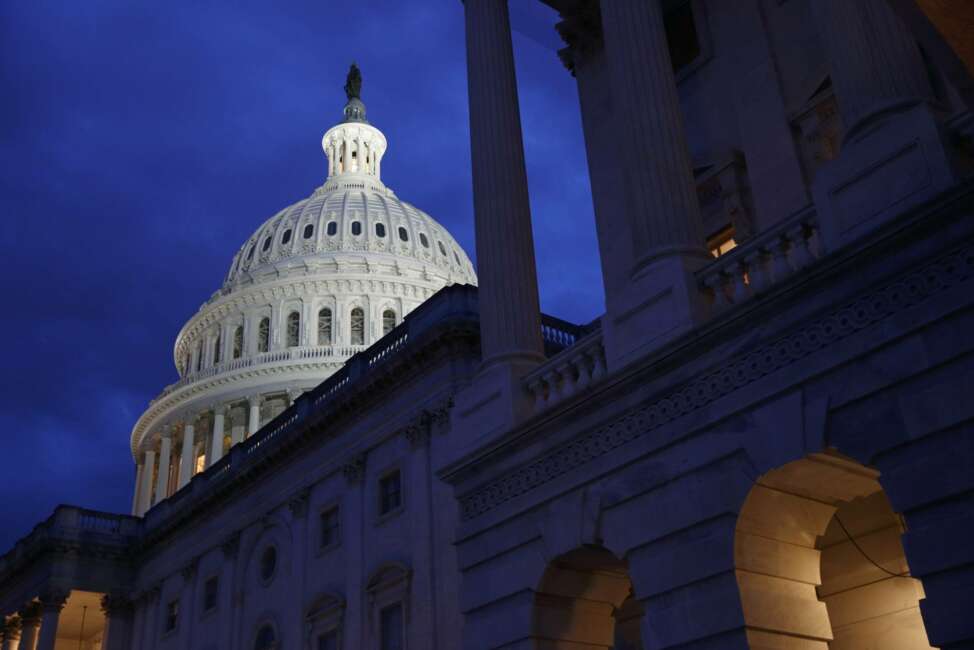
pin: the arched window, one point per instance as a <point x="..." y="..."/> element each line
<point x="442" y="248"/>
<point x="358" y="326"/>
<point x="286" y="237"/>
<point x="266" y="639"/>
<point x="267" y="245"/>
<point x="309" y="230"/>
<point x="356" y="228"/>
<point x="238" y="342"/>
<point x="457" y="258"/>
<point x="332" y="228"/>
<point x="403" y="234"/>
<point x="324" y="326"/>
<point x="250" y="253"/>
<point x="217" y="348"/>
<point x="388" y="321"/>
<point x="293" y="329"/>
<point x="264" y="335"/>
<point x="424" y="240"/>
<point x="380" y="230"/>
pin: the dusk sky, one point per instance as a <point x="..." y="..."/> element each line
<point x="142" y="143"/>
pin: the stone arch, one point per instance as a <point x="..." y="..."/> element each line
<point x="819" y="562"/>
<point x="585" y="600"/>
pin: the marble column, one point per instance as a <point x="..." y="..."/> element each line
<point x="51" y="605"/>
<point x="11" y="633"/>
<point x="510" y="326"/>
<point x="30" y="621"/>
<point x="875" y="62"/>
<point x="165" y="452"/>
<point x="136" y="491"/>
<point x="118" y="622"/>
<point x="149" y="463"/>
<point x="216" y="442"/>
<point x="186" y="459"/>
<point x="253" y="423"/>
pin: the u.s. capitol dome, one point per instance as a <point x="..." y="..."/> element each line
<point x="319" y="281"/>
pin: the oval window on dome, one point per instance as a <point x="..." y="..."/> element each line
<point x="332" y="228"/>
<point x="267" y="245"/>
<point x="380" y="230"/>
<point x="403" y="234"/>
<point x="309" y="230"/>
<point x="356" y="228"/>
<point x="441" y="247"/>
<point x="250" y="253"/>
<point x="457" y="258"/>
<point x="424" y="240"/>
<point x="286" y="237"/>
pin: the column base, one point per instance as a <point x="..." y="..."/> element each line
<point x="897" y="160"/>
<point x="493" y="404"/>
<point x="660" y="302"/>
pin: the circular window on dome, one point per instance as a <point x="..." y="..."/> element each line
<point x="266" y="638"/>
<point x="309" y="230"/>
<point x="268" y="564"/>
<point x="267" y="245"/>
<point x="332" y="228"/>
<point x="403" y="234"/>
<point x="423" y="240"/>
<point x="286" y="237"/>
<point x="356" y="228"/>
<point x="380" y="230"/>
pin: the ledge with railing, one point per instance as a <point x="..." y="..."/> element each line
<point x="575" y="368"/>
<point x="762" y="261"/>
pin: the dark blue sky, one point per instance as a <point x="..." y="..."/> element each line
<point x="142" y="143"/>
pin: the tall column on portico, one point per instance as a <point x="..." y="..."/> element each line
<point x="165" y="452"/>
<point x="148" y="464"/>
<point x="118" y="622"/>
<point x="216" y="443"/>
<point x="186" y="459"/>
<point x="51" y="605"/>
<point x="253" y="423"/>
<point x="30" y="621"/>
<point x="874" y="60"/>
<point x="510" y="325"/>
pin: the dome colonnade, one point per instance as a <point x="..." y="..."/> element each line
<point x="316" y="283"/>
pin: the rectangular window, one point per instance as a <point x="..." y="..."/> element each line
<point x="390" y="492"/>
<point x="330" y="523"/>
<point x="172" y="615"/>
<point x="391" y="632"/>
<point x="210" y="590"/>
<point x="328" y="640"/>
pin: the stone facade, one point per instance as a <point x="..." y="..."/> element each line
<point x="770" y="449"/>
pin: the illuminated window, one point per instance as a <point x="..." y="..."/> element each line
<point x="293" y="329"/>
<point x="388" y="321"/>
<point x="403" y="234"/>
<point x="722" y="242"/>
<point x="264" y="334"/>
<point x="358" y="326"/>
<point x="210" y="590"/>
<point x="390" y="628"/>
<point x="331" y="530"/>
<point x="172" y="615"/>
<point x="390" y="492"/>
<point x="309" y="230"/>
<point x="200" y="462"/>
<point x="238" y="342"/>
<point x="324" y="326"/>
<point x="332" y="228"/>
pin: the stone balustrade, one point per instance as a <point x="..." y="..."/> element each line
<point x="762" y="261"/>
<point x="567" y="373"/>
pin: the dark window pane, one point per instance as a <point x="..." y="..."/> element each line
<point x="330" y="527"/>
<point x="210" y="589"/>
<point x="268" y="563"/>
<point x="287" y="236"/>
<point x="423" y="240"/>
<point x="380" y="230"/>
<point x="309" y="230"/>
<point x="391" y="627"/>
<point x="266" y="639"/>
<point x="390" y="492"/>
<point x="172" y="615"/>
<point x="681" y="34"/>
<point x="267" y="244"/>
<point x="332" y="228"/>
<point x="403" y="234"/>
<point x="356" y="228"/>
<point x="328" y="641"/>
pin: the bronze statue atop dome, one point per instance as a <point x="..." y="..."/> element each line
<point x="353" y="83"/>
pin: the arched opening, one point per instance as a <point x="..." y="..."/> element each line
<point x="388" y="321"/>
<point x="819" y="561"/>
<point x="324" y="326"/>
<point x="264" y="334"/>
<point x="238" y="342"/>
<point x="585" y="600"/>
<point x="357" y="328"/>
<point x="217" y="349"/>
<point x="293" y="329"/>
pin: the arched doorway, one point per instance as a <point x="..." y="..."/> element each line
<point x="819" y="561"/>
<point x="585" y="600"/>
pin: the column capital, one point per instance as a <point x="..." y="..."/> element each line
<point x="116" y="605"/>
<point x="581" y="30"/>
<point x="294" y="392"/>
<point x="54" y="598"/>
<point x="255" y="400"/>
<point x="10" y="630"/>
<point x="30" y="614"/>
<point x="219" y="408"/>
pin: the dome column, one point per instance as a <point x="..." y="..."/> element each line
<point x="148" y="465"/>
<point x="186" y="455"/>
<point x="165" y="451"/>
<point x="253" y="423"/>
<point x="216" y="442"/>
<point x="510" y="320"/>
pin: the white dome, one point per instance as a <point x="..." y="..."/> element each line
<point x="318" y="282"/>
